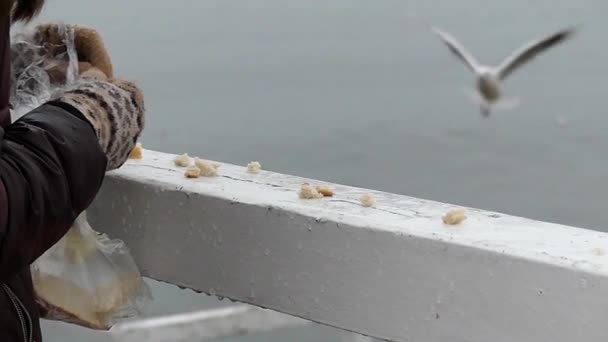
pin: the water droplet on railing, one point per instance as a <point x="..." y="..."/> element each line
<point x="251" y="294"/>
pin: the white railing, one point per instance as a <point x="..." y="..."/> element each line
<point x="204" y="325"/>
<point x="394" y="272"/>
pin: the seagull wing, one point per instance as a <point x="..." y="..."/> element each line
<point x="457" y="49"/>
<point x="529" y="51"/>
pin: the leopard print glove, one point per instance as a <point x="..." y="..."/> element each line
<point x="115" y="109"/>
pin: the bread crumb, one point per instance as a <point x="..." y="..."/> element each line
<point x="308" y="192"/>
<point x="94" y="73"/>
<point x="183" y="161"/>
<point x="208" y="169"/>
<point x="325" y="190"/>
<point x="454" y="217"/>
<point x="192" y="172"/>
<point x="136" y="152"/>
<point x="254" y="167"/>
<point x="368" y="200"/>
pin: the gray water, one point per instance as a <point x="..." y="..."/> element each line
<point x="365" y="88"/>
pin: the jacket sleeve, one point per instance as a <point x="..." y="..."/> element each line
<point x="51" y="167"/>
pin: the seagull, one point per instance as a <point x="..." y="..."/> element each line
<point x="489" y="95"/>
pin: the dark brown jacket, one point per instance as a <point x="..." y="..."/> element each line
<point x="51" y="167"/>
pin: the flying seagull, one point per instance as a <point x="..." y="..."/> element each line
<point x="489" y="94"/>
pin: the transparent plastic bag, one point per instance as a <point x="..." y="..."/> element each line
<point x="32" y="60"/>
<point x="86" y="278"/>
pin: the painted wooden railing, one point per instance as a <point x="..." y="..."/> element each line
<point x="394" y="271"/>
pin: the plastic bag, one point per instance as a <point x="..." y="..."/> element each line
<point x="86" y="278"/>
<point x="31" y="62"/>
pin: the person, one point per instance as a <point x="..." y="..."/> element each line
<point x="52" y="164"/>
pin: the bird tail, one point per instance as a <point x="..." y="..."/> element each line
<point x="479" y="101"/>
<point x="504" y="104"/>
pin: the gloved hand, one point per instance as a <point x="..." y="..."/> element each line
<point x="50" y="56"/>
<point x="115" y="109"/>
<point x="47" y="44"/>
